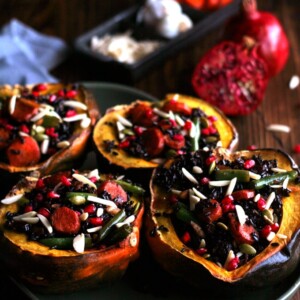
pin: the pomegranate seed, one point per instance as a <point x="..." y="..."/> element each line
<point x="61" y="93"/>
<point x="52" y="98"/>
<point x="93" y="179"/>
<point x="71" y="113"/>
<point x="178" y="137"/>
<point x="210" y="160"/>
<point x="187" y="125"/>
<point x="297" y="148"/>
<point x="39" y="197"/>
<point x="212" y="130"/>
<point x="35" y="93"/>
<point x="252" y="147"/>
<point x="180" y="152"/>
<point x="266" y="231"/>
<point x="228" y="207"/>
<point x="138" y="130"/>
<point x="51" y="132"/>
<point x="204" y="180"/>
<point x="90" y="208"/>
<point x="44" y="211"/>
<point x="205" y="131"/>
<point x="124" y="144"/>
<point x="71" y="93"/>
<point x="201" y="251"/>
<point x="40" y="184"/>
<point x="52" y="195"/>
<point x="186" y="237"/>
<point x="227" y="200"/>
<point x="249" y="163"/>
<point x="149" y="113"/>
<point x="24" y="128"/>
<point x="233" y="264"/>
<point x="173" y="199"/>
<point x="28" y="208"/>
<point x="261" y="204"/>
<point x="212" y="118"/>
<point x="40" y="87"/>
<point x="9" y="127"/>
<point x="96" y="221"/>
<point x="173" y="123"/>
<point x="65" y="181"/>
<point x="275" y="227"/>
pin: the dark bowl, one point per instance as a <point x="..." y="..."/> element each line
<point x="126" y="20"/>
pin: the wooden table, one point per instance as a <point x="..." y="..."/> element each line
<point x="68" y="19"/>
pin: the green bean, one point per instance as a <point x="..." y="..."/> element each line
<point x="228" y="174"/>
<point x="260" y="183"/>
<point x="64" y="243"/>
<point x="184" y="214"/>
<point x="129" y="187"/>
<point x="109" y="226"/>
<point x="119" y="234"/>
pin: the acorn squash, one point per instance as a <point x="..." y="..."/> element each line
<point x="70" y="230"/>
<point x="208" y="221"/>
<point x="159" y="130"/>
<point x="39" y="112"/>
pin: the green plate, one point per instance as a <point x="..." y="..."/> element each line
<point x="145" y="279"/>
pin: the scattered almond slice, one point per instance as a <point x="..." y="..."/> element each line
<point x="294" y="82"/>
<point x="279" y="128"/>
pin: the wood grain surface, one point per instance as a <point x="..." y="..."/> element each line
<point x="69" y="19"/>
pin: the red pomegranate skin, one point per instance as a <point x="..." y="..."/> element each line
<point x="266" y="30"/>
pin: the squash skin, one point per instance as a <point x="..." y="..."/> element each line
<point x="103" y="131"/>
<point x="272" y="265"/>
<point x="63" y="158"/>
<point x="54" y="271"/>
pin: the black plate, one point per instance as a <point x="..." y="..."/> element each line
<point x="125" y="20"/>
<point x="144" y="278"/>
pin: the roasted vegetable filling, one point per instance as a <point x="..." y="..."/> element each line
<point x="70" y="210"/>
<point x="163" y="130"/>
<point x="36" y="123"/>
<point x="226" y="211"/>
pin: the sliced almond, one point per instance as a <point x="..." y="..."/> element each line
<point x="124" y="121"/>
<point x="102" y="201"/>
<point x="128" y="220"/>
<point x="79" y="243"/>
<point x="12" y="199"/>
<point x="279" y="128"/>
<point x="84" y="180"/>
<point x="189" y="176"/>
<point x="75" y="104"/>
<point x="242" y="217"/>
<point x="94" y="229"/>
<point x="75" y="118"/>
<point x="45" y="222"/>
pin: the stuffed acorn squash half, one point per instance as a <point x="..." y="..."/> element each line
<point x="44" y="127"/>
<point x="143" y="134"/>
<point x="70" y="230"/>
<point x="224" y="217"/>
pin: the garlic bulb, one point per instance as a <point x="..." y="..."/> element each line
<point x="165" y="16"/>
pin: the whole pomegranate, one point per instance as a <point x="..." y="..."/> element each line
<point x="231" y="76"/>
<point x="266" y="30"/>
